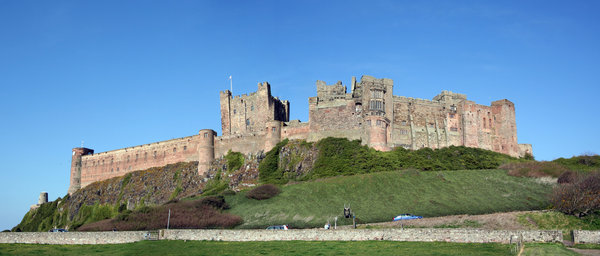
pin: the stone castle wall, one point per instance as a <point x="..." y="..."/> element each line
<point x="421" y="235"/>
<point x="256" y="122"/>
<point x="105" y="165"/>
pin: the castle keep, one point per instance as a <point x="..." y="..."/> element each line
<point x="369" y="112"/>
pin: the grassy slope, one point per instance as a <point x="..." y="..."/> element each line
<point x="380" y="196"/>
<point x="260" y="248"/>
<point x="531" y="249"/>
<point x="557" y="220"/>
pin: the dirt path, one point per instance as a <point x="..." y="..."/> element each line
<point x="586" y="252"/>
<point x="504" y="220"/>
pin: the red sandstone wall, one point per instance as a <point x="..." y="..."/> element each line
<point x="423" y="123"/>
<point x="249" y="144"/>
<point x="119" y="162"/>
<point x="334" y="119"/>
<point x="296" y="132"/>
<point x="505" y="128"/>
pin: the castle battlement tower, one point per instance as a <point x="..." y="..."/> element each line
<point x="76" y="168"/>
<point x="206" y="150"/>
<point x="248" y="113"/>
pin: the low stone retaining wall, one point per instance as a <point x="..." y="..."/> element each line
<point x="586" y="236"/>
<point x="120" y="237"/>
<point x="422" y="235"/>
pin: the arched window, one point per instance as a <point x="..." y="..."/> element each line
<point x="174" y="150"/>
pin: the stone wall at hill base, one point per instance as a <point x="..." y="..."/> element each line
<point x="418" y="235"/>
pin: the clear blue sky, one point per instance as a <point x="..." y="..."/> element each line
<point x="124" y="73"/>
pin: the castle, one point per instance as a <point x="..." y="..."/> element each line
<point x="369" y="112"/>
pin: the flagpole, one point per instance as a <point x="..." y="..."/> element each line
<point x="231" y="84"/>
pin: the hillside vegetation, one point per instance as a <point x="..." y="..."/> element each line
<point x="554" y="168"/>
<point x="334" y="171"/>
<point x="109" y="198"/>
<point x="378" y="197"/>
<point x="301" y="161"/>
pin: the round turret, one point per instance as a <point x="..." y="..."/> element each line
<point x="273" y="134"/>
<point x="206" y="150"/>
<point x="76" y="168"/>
<point x="377" y="132"/>
<point x="43" y="198"/>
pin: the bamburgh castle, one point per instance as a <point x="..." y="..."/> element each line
<point x="369" y="112"/>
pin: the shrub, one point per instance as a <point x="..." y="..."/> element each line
<point x="567" y="177"/>
<point x="263" y="192"/>
<point x="235" y="160"/>
<point x="268" y="169"/>
<point x="585" y="162"/>
<point x="579" y="198"/>
<point x="216" y="185"/>
<point x="528" y="156"/>
<point x="202" y="213"/>
<point x="217" y="202"/>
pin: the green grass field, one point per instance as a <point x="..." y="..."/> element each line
<point x="378" y="197"/>
<point x="282" y="248"/>
<point x="546" y="250"/>
<point x="260" y="248"/>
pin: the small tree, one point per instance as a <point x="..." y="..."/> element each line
<point x="579" y="198"/>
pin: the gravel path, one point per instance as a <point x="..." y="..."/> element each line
<point x="504" y="220"/>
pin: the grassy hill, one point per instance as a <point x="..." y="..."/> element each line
<point x="333" y="172"/>
<point x="378" y="197"/>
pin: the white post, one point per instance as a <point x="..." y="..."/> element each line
<point x="231" y="84"/>
<point x="169" y="219"/>
<point x="335" y="223"/>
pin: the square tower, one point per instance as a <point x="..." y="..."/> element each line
<point x="248" y="113"/>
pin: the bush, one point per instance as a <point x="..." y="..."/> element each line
<point x="216" y="185"/>
<point x="567" y="177"/>
<point x="202" y="213"/>
<point x="585" y="162"/>
<point x="235" y="160"/>
<point x="528" y="156"/>
<point x="263" y="192"/>
<point x="268" y="169"/>
<point x="579" y="198"/>
<point x="338" y="156"/>
<point x="218" y="202"/>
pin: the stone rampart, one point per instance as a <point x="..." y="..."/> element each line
<point x="120" y="237"/>
<point x="586" y="236"/>
<point x="105" y="165"/>
<point x="418" y="235"/>
<point x="248" y="144"/>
